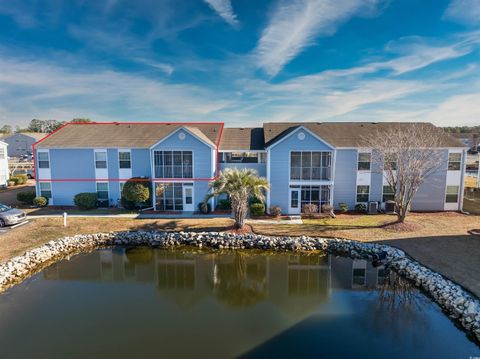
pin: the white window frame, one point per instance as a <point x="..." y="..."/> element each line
<point x="42" y="190"/>
<point x="129" y="160"/>
<point x="108" y="190"/>
<point x="106" y="159"/>
<point x="47" y="160"/>
<point x="369" y="153"/>
<point x="356" y="193"/>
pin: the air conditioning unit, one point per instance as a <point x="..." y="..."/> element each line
<point x="390" y="207"/>
<point x="372" y="207"/>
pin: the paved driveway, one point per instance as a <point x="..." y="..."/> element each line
<point x="9" y="195"/>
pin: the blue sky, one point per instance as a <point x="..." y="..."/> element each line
<point x="241" y="61"/>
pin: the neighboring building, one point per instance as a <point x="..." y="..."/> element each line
<point x="20" y="143"/>
<point x="468" y="139"/>
<point x="304" y="162"/>
<point x="4" y="174"/>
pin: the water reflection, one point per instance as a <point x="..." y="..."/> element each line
<point x="223" y="304"/>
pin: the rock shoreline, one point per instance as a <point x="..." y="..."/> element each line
<point x="455" y="301"/>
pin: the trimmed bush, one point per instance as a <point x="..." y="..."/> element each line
<point x="16" y="180"/>
<point x="343" y="207"/>
<point x="257" y="209"/>
<point x="310" y="208"/>
<point x="360" y="208"/>
<point x="137" y="193"/>
<point x="40" y="201"/>
<point x="85" y="200"/>
<point x="224" y="204"/>
<point x="275" y="211"/>
<point x="204" y="208"/>
<point x="26" y="197"/>
<point x="23" y="178"/>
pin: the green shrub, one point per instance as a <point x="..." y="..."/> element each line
<point x="204" y="208"/>
<point x="343" y="207"/>
<point x="257" y="209"/>
<point x="360" y="208"/>
<point x="85" y="200"/>
<point x="26" y="197"/>
<point x="310" y="208"/>
<point x="127" y="204"/>
<point x="137" y="191"/>
<point x="255" y="200"/>
<point x="224" y="204"/>
<point x="23" y="178"/>
<point x="275" y="211"/>
<point x="16" y="180"/>
<point x="40" y="201"/>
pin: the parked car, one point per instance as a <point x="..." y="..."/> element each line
<point x="10" y="216"/>
<point x="30" y="173"/>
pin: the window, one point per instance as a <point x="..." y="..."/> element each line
<point x="102" y="191"/>
<point x="169" y="196"/>
<point x="390" y="164"/>
<point x="243" y="157"/>
<point x="173" y="164"/>
<point x="2" y="153"/>
<point x="363" y="193"/>
<point x="43" y="160"/>
<point x="100" y="159"/>
<point x="294" y="199"/>
<point x="309" y="166"/>
<point x="121" y="184"/>
<point x="454" y="161"/>
<point x="452" y="194"/>
<point x="388" y="194"/>
<point x="317" y="195"/>
<point x="364" y="159"/>
<point x="124" y="159"/>
<point x="46" y="189"/>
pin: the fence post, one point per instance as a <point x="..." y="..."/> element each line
<point x="64" y="219"/>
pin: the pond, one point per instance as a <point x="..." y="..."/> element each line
<point x="190" y="303"/>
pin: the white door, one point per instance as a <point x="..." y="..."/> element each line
<point x="188" y="198"/>
<point x="294" y="201"/>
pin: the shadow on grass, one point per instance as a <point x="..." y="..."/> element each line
<point x="179" y="225"/>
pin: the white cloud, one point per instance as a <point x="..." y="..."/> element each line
<point x="224" y="9"/>
<point x="457" y="110"/>
<point x="464" y="11"/>
<point x="39" y="88"/>
<point x="294" y="26"/>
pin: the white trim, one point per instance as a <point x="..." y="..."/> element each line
<point x="311" y="151"/>
<point x="186" y="130"/>
<point x="101" y="173"/>
<point x="248" y="151"/>
<point x="152" y="173"/>
<point x="369" y="193"/>
<point x="304" y="129"/>
<point x="298" y="209"/>
<point x="50" y="200"/>
<point x="125" y="172"/>
<point x="108" y="190"/>
<point x="43" y="173"/>
<point x="184" y="197"/>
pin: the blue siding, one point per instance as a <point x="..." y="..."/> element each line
<point x="376" y="185"/>
<point x="431" y="194"/>
<point x="345" y="186"/>
<point x="72" y="163"/>
<point x="63" y="192"/>
<point x="280" y="165"/>
<point x="261" y="168"/>
<point x="141" y="163"/>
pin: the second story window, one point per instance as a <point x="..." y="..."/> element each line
<point x="43" y="160"/>
<point x="390" y="164"/>
<point x="243" y="157"/>
<point x="124" y="159"/>
<point x="173" y="164"/>
<point x="308" y="166"/>
<point x="454" y="161"/>
<point x="101" y="159"/>
<point x="2" y="153"/>
<point x="364" y="160"/>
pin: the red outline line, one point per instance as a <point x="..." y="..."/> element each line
<point x="217" y="145"/>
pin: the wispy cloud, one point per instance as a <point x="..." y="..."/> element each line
<point x="224" y="9"/>
<point x="294" y="25"/>
<point x="464" y="11"/>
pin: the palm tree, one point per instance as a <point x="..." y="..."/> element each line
<point x="240" y="186"/>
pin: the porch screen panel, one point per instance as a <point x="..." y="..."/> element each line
<point x="173" y="164"/>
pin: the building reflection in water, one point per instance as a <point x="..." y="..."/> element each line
<point x="234" y="278"/>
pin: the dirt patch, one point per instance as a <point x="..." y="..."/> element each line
<point x="246" y="229"/>
<point x="402" y="227"/>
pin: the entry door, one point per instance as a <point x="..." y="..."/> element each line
<point x="188" y="198"/>
<point x="294" y="201"/>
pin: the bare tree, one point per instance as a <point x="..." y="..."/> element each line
<point x="406" y="155"/>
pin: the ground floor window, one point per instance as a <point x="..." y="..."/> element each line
<point x="46" y="189"/>
<point x="388" y="194"/>
<point x="317" y="195"/>
<point x="452" y="194"/>
<point x="102" y="194"/>
<point x="170" y="196"/>
<point x="363" y="193"/>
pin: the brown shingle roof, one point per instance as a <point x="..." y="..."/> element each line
<point x="345" y="134"/>
<point x="242" y="139"/>
<point x="128" y="135"/>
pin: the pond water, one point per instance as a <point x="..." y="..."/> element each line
<point x="186" y="303"/>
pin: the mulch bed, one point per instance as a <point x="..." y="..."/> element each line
<point x="246" y="229"/>
<point x="402" y="227"/>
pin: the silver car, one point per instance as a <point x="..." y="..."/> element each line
<point x="10" y="216"/>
